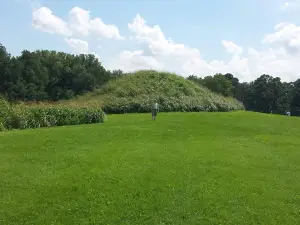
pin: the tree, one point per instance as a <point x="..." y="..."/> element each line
<point x="115" y="74"/>
<point x="263" y="94"/>
<point x="234" y="82"/>
<point x="5" y="67"/>
<point x="219" y="84"/>
<point x="194" y="79"/>
<point x="283" y="102"/>
<point x="295" y="98"/>
<point x="50" y="75"/>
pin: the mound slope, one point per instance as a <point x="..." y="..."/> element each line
<point x="136" y="91"/>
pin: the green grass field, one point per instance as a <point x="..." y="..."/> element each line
<point x="184" y="168"/>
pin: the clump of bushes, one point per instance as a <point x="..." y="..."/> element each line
<point x="143" y="104"/>
<point x="25" y="117"/>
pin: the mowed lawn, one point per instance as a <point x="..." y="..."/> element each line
<point x="184" y="168"/>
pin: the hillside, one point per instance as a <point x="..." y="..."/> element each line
<point x="184" y="168"/>
<point x="135" y="92"/>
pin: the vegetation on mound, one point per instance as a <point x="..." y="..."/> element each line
<point x="25" y="116"/>
<point x="136" y="92"/>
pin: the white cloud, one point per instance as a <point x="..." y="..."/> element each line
<point x="44" y="20"/>
<point x="165" y="54"/>
<point x="135" y="60"/>
<point x="105" y="30"/>
<point x="157" y="42"/>
<point x="96" y="55"/>
<point x="79" y="23"/>
<point x="79" y="46"/>
<point x="285" y="35"/>
<point x="280" y="57"/>
<point x="232" y="47"/>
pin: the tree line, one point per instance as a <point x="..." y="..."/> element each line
<point x="266" y="94"/>
<point x="49" y="75"/>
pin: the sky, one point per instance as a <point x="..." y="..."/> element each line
<point x="246" y="38"/>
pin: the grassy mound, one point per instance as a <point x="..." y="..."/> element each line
<point x="184" y="168"/>
<point x="136" y="92"/>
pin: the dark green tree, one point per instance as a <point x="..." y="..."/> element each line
<point x="50" y="75"/>
<point x="295" y="98"/>
<point x="219" y="84"/>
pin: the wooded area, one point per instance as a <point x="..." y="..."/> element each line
<point x="265" y="94"/>
<point x="45" y="75"/>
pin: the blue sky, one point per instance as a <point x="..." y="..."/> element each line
<point x="197" y="24"/>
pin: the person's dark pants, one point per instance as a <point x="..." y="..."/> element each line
<point x="154" y="114"/>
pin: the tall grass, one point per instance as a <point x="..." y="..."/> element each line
<point x="143" y="104"/>
<point x="22" y="116"/>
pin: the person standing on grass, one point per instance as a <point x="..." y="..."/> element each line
<point x="154" y="110"/>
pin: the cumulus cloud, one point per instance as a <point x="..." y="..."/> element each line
<point x="135" y="60"/>
<point x="78" y="23"/>
<point x="285" y="35"/>
<point x="79" y="46"/>
<point x="280" y="56"/>
<point x="44" y="20"/>
<point x="165" y="54"/>
<point x="232" y="47"/>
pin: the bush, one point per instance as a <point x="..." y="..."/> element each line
<point x="143" y="104"/>
<point x="25" y="117"/>
<point x="4" y="109"/>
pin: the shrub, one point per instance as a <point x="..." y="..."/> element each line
<point x="25" y="117"/>
<point x="4" y="110"/>
<point x="4" y="106"/>
<point x="169" y="104"/>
